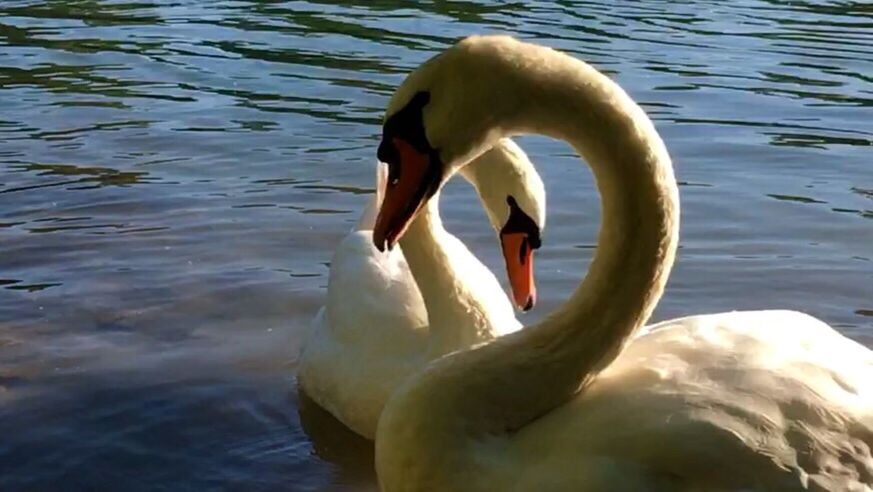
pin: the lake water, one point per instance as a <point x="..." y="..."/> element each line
<point x="174" y="176"/>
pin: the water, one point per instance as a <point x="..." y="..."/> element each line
<point x="174" y="176"/>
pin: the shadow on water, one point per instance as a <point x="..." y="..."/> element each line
<point x="335" y="443"/>
<point x="200" y="432"/>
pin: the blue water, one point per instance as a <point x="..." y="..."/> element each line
<point x="174" y="176"/>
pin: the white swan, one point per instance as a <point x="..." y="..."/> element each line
<point x="585" y="400"/>
<point x="379" y="326"/>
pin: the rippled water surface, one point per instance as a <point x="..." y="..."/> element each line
<point x="174" y="176"/>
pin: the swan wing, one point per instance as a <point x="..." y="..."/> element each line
<point x="764" y="400"/>
<point x="368" y="337"/>
<point x="372" y="293"/>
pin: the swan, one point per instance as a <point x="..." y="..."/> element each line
<point x="588" y="399"/>
<point x="387" y="315"/>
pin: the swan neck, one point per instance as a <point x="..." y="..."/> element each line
<point x="437" y="424"/>
<point x="639" y="221"/>
<point x="512" y="381"/>
<point x="636" y="242"/>
<point x="426" y="248"/>
<point x="422" y="249"/>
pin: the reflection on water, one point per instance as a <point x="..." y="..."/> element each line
<point x="174" y="176"/>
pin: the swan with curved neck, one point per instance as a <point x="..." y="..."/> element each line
<point x="388" y="315"/>
<point x="586" y="400"/>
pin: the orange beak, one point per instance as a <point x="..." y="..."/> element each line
<point x="519" y="266"/>
<point x="411" y="181"/>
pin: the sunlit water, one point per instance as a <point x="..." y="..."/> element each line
<point x="174" y="176"/>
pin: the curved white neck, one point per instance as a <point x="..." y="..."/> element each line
<point x="636" y="247"/>
<point x="511" y="381"/>
<point x="432" y="255"/>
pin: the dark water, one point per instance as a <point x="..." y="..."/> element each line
<point x="174" y="176"/>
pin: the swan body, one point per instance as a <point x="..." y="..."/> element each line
<point x="590" y="399"/>
<point x="377" y="328"/>
<point x="756" y="400"/>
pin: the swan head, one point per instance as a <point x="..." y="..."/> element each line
<point x="446" y="113"/>
<point x="514" y="198"/>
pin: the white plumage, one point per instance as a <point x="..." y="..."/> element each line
<point x="375" y="330"/>
<point x="590" y="399"/>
